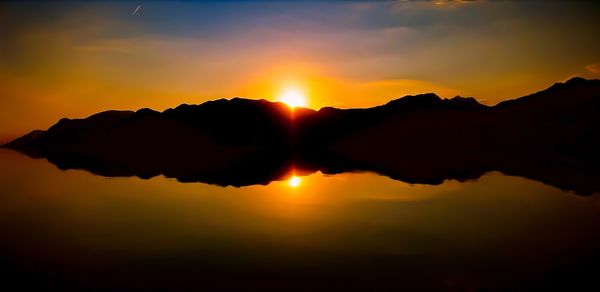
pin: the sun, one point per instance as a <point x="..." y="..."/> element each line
<point x="293" y="98"/>
<point x="294" y="181"/>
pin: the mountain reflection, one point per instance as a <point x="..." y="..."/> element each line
<point x="72" y="231"/>
<point x="419" y="169"/>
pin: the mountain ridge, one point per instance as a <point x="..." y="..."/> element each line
<point x="549" y="135"/>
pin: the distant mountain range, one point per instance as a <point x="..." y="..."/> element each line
<point x="551" y="136"/>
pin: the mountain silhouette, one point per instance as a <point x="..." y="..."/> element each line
<point x="551" y="136"/>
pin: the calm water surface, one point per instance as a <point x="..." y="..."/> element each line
<point x="72" y="229"/>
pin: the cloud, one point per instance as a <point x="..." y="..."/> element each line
<point x="593" y="68"/>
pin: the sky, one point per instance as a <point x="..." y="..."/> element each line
<point x="73" y="59"/>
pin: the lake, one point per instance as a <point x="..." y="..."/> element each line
<point x="353" y="231"/>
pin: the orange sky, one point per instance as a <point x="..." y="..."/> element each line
<point x="74" y="59"/>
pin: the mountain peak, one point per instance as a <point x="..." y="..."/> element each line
<point x="419" y="100"/>
<point x="576" y="80"/>
<point x="460" y="102"/>
<point x="431" y="100"/>
<point x="573" y="82"/>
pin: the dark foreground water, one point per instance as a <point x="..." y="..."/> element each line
<point x="71" y="230"/>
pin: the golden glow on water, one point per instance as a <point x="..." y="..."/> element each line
<point x="342" y="218"/>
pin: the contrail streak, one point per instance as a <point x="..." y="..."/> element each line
<point x="136" y="9"/>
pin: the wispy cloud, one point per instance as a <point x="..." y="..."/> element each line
<point x="593" y="68"/>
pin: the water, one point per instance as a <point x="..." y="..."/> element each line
<point x="72" y="229"/>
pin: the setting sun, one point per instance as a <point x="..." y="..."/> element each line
<point x="293" y="99"/>
<point x="294" y="181"/>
